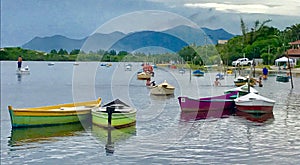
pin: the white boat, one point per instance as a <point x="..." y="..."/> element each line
<point x="128" y="67"/>
<point x="162" y="89"/>
<point x="50" y="63"/>
<point x="24" y="70"/>
<point x="254" y="103"/>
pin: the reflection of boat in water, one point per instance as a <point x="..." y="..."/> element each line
<point x="116" y="134"/>
<point x="191" y="116"/>
<point x="110" y="136"/>
<point x="52" y="115"/>
<point x="20" y="136"/>
<point x="256" y="117"/>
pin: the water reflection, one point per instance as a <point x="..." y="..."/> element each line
<point x="191" y="116"/>
<point x="256" y="117"/>
<point x="19" y="77"/>
<point x="161" y="98"/>
<point x="110" y="136"/>
<point x="21" y="136"/>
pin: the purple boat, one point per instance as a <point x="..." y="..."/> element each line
<point x="215" y="103"/>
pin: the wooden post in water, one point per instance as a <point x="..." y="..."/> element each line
<point x="292" y="85"/>
<point x="253" y="67"/>
<point x="109" y="111"/>
<point x="109" y="147"/>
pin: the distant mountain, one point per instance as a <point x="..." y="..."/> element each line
<point x="54" y="42"/>
<point x="218" y="34"/>
<point x="143" y="39"/>
<point x="172" y="39"/>
<point x="199" y="36"/>
<point x="101" y="41"/>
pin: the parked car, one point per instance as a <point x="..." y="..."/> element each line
<point x="242" y="62"/>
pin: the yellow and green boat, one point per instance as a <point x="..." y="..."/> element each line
<point x="115" y="114"/>
<point x="52" y="115"/>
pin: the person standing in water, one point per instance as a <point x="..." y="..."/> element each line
<point x="19" y="62"/>
<point x="217" y="82"/>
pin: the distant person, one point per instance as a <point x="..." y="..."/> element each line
<point x="284" y="66"/>
<point x="217" y="82"/>
<point x="148" y="83"/>
<point x="259" y="81"/>
<point x="265" y="73"/>
<point x="153" y="83"/>
<point x="19" y="62"/>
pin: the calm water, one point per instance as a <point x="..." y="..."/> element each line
<point x="162" y="134"/>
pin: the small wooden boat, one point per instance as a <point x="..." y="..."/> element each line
<point x="198" y="73"/>
<point x="229" y="71"/>
<point x="128" y="67"/>
<point x="240" y="80"/>
<point x="143" y="76"/>
<point x="215" y="103"/>
<point x="220" y="76"/>
<point x="122" y="115"/>
<point x="52" y="115"/>
<point x="162" y="89"/>
<point x="181" y="71"/>
<point x="282" y="78"/>
<point x="254" y="103"/>
<point x="242" y="90"/>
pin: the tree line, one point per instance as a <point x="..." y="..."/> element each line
<point x="259" y="41"/>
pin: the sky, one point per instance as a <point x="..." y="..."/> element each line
<point x="22" y="20"/>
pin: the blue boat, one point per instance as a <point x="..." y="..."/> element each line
<point x="198" y="73"/>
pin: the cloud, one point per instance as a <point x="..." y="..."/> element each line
<point x="275" y="7"/>
<point x="283" y="8"/>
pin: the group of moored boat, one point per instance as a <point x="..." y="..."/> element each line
<point x="120" y="114"/>
<point x="243" y="98"/>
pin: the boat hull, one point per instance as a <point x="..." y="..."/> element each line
<point x="254" y="103"/>
<point x="29" y="119"/>
<point x="52" y="115"/>
<point x="216" y="103"/>
<point x="118" y="120"/>
<point x="255" y="108"/>
<point x="144" y="76"/>
<point x="161" y="91"/>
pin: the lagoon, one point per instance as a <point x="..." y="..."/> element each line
<point x="162" y="134"/>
